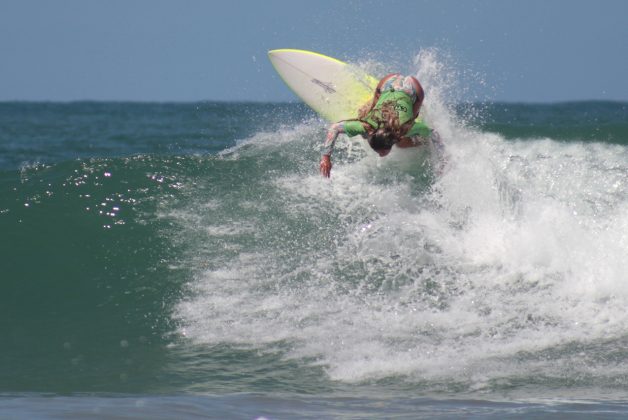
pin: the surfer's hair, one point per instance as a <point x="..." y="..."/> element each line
<point x="381" y="140"/>
<point x="388" y="130"/>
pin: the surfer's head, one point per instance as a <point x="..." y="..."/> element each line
<point x="385" y="128"/>
<point x="382" y="141"/>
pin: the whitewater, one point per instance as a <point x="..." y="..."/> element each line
<point x="507" y="269"/>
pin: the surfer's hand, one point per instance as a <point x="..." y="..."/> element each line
<point x="325" y="166"/>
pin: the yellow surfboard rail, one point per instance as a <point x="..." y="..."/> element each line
<point x="331" y="87"/>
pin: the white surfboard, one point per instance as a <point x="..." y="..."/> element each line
<point x="332" y="88"/>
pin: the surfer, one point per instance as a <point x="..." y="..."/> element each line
<point x="388" y="119"/>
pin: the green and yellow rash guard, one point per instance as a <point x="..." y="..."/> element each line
<point x="400" y="101"/>
<point x="356" y="128"/>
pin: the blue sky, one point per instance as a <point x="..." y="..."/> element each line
<point x="152" y="50"/>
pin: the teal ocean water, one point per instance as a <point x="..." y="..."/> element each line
<point x="166" y="260"/>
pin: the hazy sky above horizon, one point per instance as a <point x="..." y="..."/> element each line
<point x="154" y="50"/>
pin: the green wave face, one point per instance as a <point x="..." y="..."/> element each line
<point x="167" y="248"/>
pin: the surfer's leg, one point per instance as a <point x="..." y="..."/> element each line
<point x="417" y="94"/>
<point x="412" y="87"/>
<point x="393" y="82"/>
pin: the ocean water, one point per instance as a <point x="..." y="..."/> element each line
<point x="165" y="260"/>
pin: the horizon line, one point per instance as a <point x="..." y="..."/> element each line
<point x="289" y="102"/>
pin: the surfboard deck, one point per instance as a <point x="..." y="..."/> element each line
<point x="332" y="88"/>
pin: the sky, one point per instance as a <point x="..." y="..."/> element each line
<point x="193" y="50"/>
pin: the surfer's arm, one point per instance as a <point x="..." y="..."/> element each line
<point x="414" y="141"/>
<point x="351" y="128"/>
<point x="330" y="141"/>
<point x="420" y="136"/>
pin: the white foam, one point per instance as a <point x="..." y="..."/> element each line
<point x="518" y="249"/>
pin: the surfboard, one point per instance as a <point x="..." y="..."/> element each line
<point x="332" y="88"/>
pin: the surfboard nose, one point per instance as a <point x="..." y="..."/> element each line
<point x="332" y="88"/>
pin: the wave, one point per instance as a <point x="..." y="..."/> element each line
<point x="242" y="269"/>
<point x="506" y="269"/>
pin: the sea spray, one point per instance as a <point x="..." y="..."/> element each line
<point x="168" y="248"/>
<point x="506" y="269"/>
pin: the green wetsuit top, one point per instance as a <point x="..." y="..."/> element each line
<point x="419" y="128"/>
<point x="402" y="104"/>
